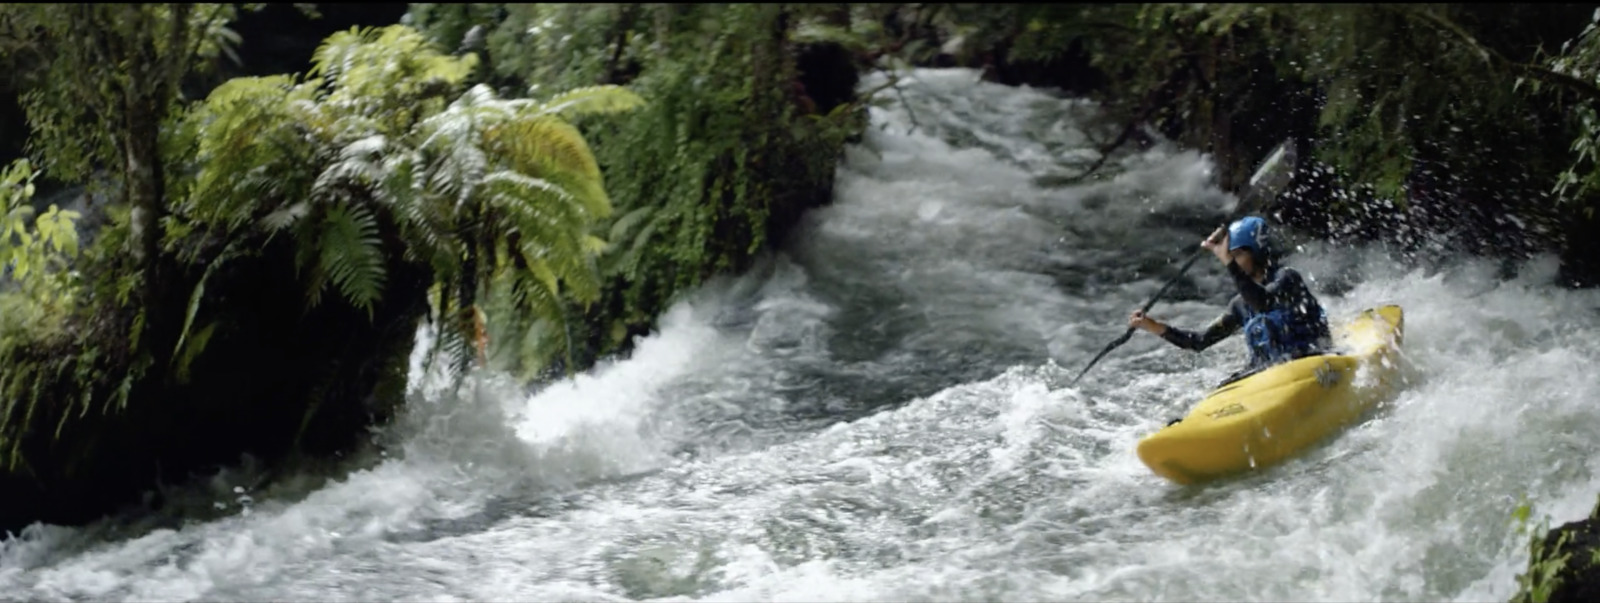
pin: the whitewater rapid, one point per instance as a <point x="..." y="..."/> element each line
<point x="881" y="413"/>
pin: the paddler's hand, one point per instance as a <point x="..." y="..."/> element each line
<point x="1150" y="325"/>
<point x="1217" y="244"/>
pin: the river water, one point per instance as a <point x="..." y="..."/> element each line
<point x="881" y="412"/>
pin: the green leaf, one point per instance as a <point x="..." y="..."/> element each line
<point x="588" y="100"/>
<point x="594" y="244"/>
<point x="194" y="307"/>
<point x="625" y="224"/>
<point x="285" y="216"/>
<point x="351" y="255"/>
<point x="541" y="271"/>
<point x="193" y="351"/>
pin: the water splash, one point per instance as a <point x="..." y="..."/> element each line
<point x="881" y="413"/>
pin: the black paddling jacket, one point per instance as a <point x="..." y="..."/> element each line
<point x="1281" y="318"/>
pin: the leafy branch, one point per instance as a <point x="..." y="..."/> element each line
<point x="1493" y="58"/>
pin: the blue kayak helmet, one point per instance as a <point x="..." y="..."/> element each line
<point x="1249" y="232"/>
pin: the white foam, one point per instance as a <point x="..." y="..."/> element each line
<point x="680" y="473"/>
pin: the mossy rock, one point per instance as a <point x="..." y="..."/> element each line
<point x="1565" y="567"/>
<point x="276" y="382"/>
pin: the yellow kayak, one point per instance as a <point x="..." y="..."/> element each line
<point x="1264" y="418"/>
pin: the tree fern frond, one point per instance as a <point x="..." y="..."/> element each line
<point x="419" y="48"/>
<point x="627" y="263"/>
<point x="399" y="178"/>
<point x="544" y="146"/>
<point x="431" y="234"/>
<point x="352" y="256"/>
<point x="563" y="255"/>
<point x="187" y="354"/>
<point x="455" y="125"/>
<point x="285" y="216"/>
<point x="455" y="170"/>
<point x="420" y="220"/>
<point x="590" y="194"/>
<point x="450" y="151"/>
<point x="367" y="147"/>
<point x="246" y="145"/>
<point x="590" y="100"/>
<point x="482" y="99"/>
<point x="384" y="66"/>
<point x="583" y="286"/>
<point x="194" y="308"/>
<point x="529" y="189"/>
<point x="337" y="54"/>
<point x="544" y="342"/>
<point x="453" y="342"/>
<point x="546" y="338"/>
<point x="543" y="303"/>
<point x="343" y="126"/>
<point x="622" y="227"/>
<point x="573" y="268"/>
<point x="542" y="212"/>
<point x="552" y="228"/>
<point x="358" y="163"/>
<point x="545" y="276"/>
<point x="594" y="245"/>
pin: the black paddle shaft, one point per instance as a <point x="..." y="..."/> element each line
<point x="1129" y="333"/>
<point x="1265" y="180"/>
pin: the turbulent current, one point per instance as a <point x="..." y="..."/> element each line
<point x="881" y="412"/>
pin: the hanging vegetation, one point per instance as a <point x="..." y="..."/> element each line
<point x="730" y="150"/>
<point x="304" y="221"/>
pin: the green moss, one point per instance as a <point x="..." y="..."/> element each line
<point x="1545" y="565"/>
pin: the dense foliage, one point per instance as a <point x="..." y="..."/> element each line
<point x="729" y="149"/>
<point x="34" y="251"/>
<point x="382" y="164"/>
<point x="484" y="191"/>
<point x="301" y="225"/>
<point x="479" y="189"/>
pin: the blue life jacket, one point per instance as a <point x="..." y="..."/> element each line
<point x="1281" y="334"/>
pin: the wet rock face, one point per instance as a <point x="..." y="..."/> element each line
<point x="1580" y="257"/>
<point x="277" y="383"/>
<point x="828" y="75"/>
<point x="1071" y="72"/>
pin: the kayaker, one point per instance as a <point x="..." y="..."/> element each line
<point x="1281" y="318"/>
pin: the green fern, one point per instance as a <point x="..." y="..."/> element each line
<point x="248" y="146"/>
<point x="185" y="358"/>
<point x="531" y="175"/>
<point x="379" y="140"/>
<point x="556" y="151"/>
<point x="393" y="72"/>
<point x="352" y="255"/>
<point x="623" y="226"/>
<point x="590" y="100"/>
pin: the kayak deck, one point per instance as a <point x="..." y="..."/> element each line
<point x="1264" y="418"/>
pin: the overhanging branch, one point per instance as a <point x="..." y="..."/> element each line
<point x="1588" y="89"/>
